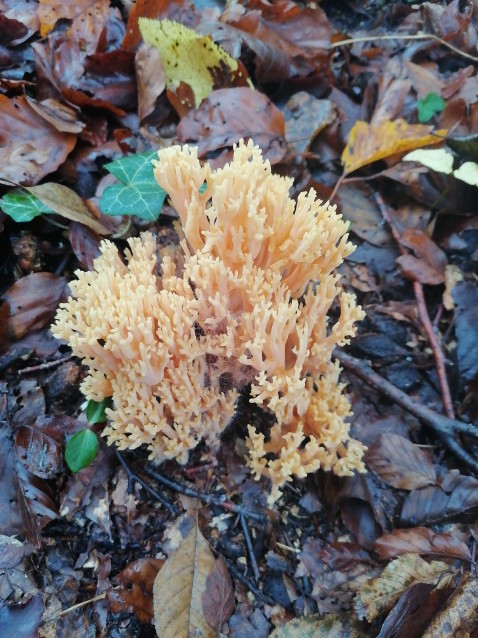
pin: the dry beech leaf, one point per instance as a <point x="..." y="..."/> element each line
<point x="63" y="117"/>
<point x="228" y="115"/>
<point x="429" y="263"/>
<point x="150" y="77"/>
<point x="31" y="146"/>
<point x="50" y="11"/>
<point x="218" y="597"/>
<point x="372" y="142"/>
<point x="421" y="540"/>
<point x="458" y="617"/>
<point x="179" y="588"/>
<point x="400" y="463"/>
<point x="68" y="204"/>
<point x="379" y="594"/>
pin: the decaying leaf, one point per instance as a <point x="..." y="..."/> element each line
<point x="191" y="59"/>
<point x="179" y="589"/>
<point x="458" y="618"/>
<point x="400" y="463"/>
<point x="465" y="297"/>
<point x="372" y="142"/>
<point x="421" y="540"/>
<point x="438" y="159"/>
<point x="379" y="594"/>
<point x="427" y="264"/>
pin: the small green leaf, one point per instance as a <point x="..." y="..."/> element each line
<point x="138" y="193"/>
<point x="23" y="206"/>
<point x="96" y="410"/>
<point x="81" y="450"/>
<point x="430" y="105"/>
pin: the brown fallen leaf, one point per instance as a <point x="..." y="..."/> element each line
<point x="400" y="463"/>
<point x="379" y="594"/>
<point x="31" y="146"/>
<point x="218" y="596"/>
<point x="421" y="540"/>
<point x="179" y="588"/>
<point x="454" y="494"/>
<point x="68" y="204"/>
<point x="228" y="115"/>
<point x="150" y="77"/>
<point x="369" y="143"/>
<point x="50" y="11"/>
<point x="33" y="301"/>
<point x="428" y="263"/>
<point x="135" y="591"/>
<point x="64" y="118"/>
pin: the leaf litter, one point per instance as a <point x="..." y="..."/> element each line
<point x="384" y="125"/>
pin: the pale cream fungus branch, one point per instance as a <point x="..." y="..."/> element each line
<point x="250" y="305"/>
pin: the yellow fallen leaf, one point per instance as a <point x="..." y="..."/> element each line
<point x="380" y="594"/>
<point x="191" y="59"/>
<point x="179" y="588"/>
<point x="371" y="142"/>
<point x="438" y="159"/>
<point x="468" y="172"/>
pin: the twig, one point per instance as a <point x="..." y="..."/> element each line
<point x="416" y="36"/>
<point x="203" y="496"/>
<point x="445" y="427"/>
<point x="250" y="548"/>
<point x="132" y="477"/>
<point x="250" y="585"/>
<point x="424" y="317"/>
<point x="45" y="366"/>
<point x="73" y="608"/>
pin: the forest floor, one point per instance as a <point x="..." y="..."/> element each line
<point x="343" y="93"/>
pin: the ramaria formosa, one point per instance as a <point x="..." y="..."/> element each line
<point x="250" y="306"/>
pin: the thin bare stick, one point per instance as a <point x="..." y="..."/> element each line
<point x="423" y="315"/>
<point x="45" y="366"/>
<point x="250" y="548"/>
<point x="77" y="606"/>
<point x="416" y="36"/>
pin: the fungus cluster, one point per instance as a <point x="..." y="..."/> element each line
<point x="249" y="307"/>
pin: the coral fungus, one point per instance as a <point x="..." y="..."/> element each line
<point x="249" y="307"/>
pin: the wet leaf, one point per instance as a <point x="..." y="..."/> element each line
<point x="369" y="143"/>
<point x="455" y="494"/>
<point x="85" y="243"/>
<point x="466" y="146"/>
<point x="429" y="106"/>
<point x="428" y="263"/>
<point x="135" y="592"/>
<point x="179" y="588"/>
<point x="138" y="194"/>
<point x="421" y="540"/>
<point x="400" y="463"/>
<point x="81" y="449"/>
<point x="218" y="597"/>
<point x="228" y="115"/>
<point x="380" y="594"/>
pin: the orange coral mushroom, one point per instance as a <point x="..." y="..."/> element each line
<point x="251" y="303"/>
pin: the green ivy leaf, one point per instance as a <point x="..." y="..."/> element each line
<point x="138" y="193"/>
<point x="81" y="450"/>
<point x="23" y="206"/>
<point x="96" y="410"/>
<point x="430" y="105"/>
